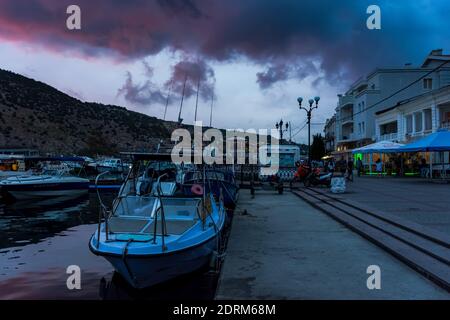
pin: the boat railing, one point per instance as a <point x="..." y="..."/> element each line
<point x="163" y="216"/>
<point x="103" y="210"/>
<point x="226" y="190"/>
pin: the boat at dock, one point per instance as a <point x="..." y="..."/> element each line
<point x="12" y="166"/>
<point x="218" y="181"/>
<point x="153" y="233"/>
<point x="48" y="183"/>
<point x="112" y="165"/>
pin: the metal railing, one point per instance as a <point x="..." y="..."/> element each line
<point x="159" y="214"/>
<point x="103" y="211"/>
<point x="388" y="136"/>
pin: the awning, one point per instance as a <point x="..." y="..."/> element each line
<point x="380" y="147"/>
<point x="437" y="141"/>
<point x="67" y="159"/>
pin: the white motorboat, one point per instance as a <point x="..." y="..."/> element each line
<point x="49" y="183"/>
<point x="150" y="238"/>
<point x="112" y="165"/>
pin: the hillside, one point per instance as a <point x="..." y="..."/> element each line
<point x="36" y="115"/>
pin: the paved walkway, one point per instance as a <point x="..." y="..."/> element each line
<point x="418" y="200"/>
<point x="285" y="249"/>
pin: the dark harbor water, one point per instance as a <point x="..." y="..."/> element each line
<point x="40" y="239"/>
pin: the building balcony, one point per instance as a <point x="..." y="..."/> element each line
<point x="348" y="137"/>
<point x="445" y="125"/>
<point x="347" y="121"/>
<point x="346" y="101"/>
<point x="388" y="137"/>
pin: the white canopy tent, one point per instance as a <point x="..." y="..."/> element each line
<point x="380" y="148"/>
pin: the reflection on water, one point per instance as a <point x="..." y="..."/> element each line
<point x="25" y="222"/>
<point x="199" y="285"/>
<point x="40" y="239"/>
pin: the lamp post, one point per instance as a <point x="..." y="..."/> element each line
<point x="279" y="126"/>
<point x="308" y="114"/>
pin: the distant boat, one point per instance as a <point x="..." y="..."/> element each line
<point x="49" y="183"/>
<point x="12" y="166"/>
<point x="218" y="181"/>
<point x="150" y="238"/>
<point x="112" y="165"/>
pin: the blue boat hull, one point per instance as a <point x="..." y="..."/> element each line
<point x="147" y="270"/>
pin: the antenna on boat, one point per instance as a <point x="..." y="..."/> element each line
<point x="167" y="100"/>
<point x="182" y="99"/>
<point x="196" y="101"/>
<point x="210" y="114"/>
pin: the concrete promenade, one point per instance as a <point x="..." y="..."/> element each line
<point x="418" y="200"/>
<point x="285" y="249"/>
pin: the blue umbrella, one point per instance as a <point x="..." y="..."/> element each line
<point x="437" y="141"/>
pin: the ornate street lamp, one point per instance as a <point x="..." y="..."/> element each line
<point x="308" y="114"/>
<point x="279" y="126"/>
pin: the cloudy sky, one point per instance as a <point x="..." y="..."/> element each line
<point x="253" y="57"/>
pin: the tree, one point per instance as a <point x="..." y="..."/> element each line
<point x="317" y="147"/>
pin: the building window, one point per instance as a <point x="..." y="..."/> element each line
<point x="418" y="121"/>
<point x="409" y="123"/>
<point x="428" y="121"/>
<point x="428" y="84"/>
<point x="359" y="128"/>
<point x="363" y="126"/>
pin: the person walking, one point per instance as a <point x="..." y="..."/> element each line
<point x="359" y="166"/>
<point x="379" y="167"/>
<point x="350" y="169"/>
<point x="342" y="166"/>
<point x="331" y="166"/>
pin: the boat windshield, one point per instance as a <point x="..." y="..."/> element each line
<point x="52" y="172"/>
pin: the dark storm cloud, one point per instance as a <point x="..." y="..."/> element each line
<point x="185" y="74"/>
<point x="146" y="93"/>
<point x="271" y="75"/>
<point x="176" y="7"/>
<point x="276" y="34"/>
<point x="281" y="71"/>
<point x="193" y="73"/>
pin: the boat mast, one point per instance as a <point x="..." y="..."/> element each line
<point x="182" y="98"/>
<point x="167" y="100"/>
<point x="210" y="114"/>
<point x="196" y="102"/>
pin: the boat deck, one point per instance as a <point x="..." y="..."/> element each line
<point x="146" y="226"/>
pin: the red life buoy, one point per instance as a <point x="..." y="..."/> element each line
<point x="197" y="189"/>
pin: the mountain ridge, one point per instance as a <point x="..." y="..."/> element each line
<point x="36" y="115"/>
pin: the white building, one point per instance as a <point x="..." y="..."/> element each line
<point x="283" y="155"/>
<point x="330" y="134"/>
<point x="388" y="88"/>
<point x="413" y="118"/>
